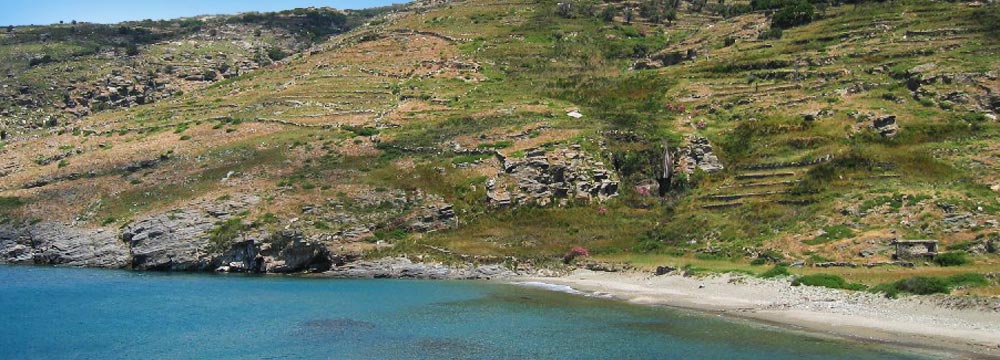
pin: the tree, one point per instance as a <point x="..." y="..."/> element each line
<point x="628" y="15"/>
<point x="799" y="13"/>
<point x="10" y="28"/>
<point x="671" y="16"/>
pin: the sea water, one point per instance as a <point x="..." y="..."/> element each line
<point x="62" y="313"/>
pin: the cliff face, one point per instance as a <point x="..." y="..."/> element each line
<point x="500" y="132"/>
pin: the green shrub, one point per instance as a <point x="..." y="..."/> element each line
<point x="954" y="258"/>
<point x="276" y="54"/>
<point x="790" y="15"/>
<point x="776" y="271"/>
<point x="918" y="285"/>
<point x="827" y="280"/>
<point x="968" y="280"/>
<point x="770" y="34"/>
<point x="922" y="285"/>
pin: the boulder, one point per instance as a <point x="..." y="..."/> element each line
<point x="664" y="269"/>
<point x="886" y="126"/>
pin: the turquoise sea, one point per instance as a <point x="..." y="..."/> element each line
<point x="60" y="313"/>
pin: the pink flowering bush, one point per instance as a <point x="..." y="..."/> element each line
<point x="574" y="252"/>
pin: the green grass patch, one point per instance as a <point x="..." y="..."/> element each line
<point x="827" y="280"/>
<point x="776" y="271"/>
<point x="953" y="258"/>
<point x="832" y="233"/>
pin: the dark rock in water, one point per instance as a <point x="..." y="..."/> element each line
<point x="451" y="348"/>
<point x="338" y="325"/>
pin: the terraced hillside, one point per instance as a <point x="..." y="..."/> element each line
<point x="509" y="131"/>
<point x="59" y="73"/>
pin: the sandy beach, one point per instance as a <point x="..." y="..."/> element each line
<point x="941" y="325"/>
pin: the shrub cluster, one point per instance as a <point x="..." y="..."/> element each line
<point x="923" y="285"/>
<point x="954" y="258"/>
<point x="827" y="280"/>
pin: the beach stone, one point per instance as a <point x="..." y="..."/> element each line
<point x="664" y="269"/>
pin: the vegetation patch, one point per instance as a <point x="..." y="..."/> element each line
<point x="952" y="258"/>
<point x="831" y="233"/>
<point x="777" y="271"/>
<point x="925" y="285"/>
<point x="827" y="280"/>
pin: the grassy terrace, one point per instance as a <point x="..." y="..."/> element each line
<point x="330" y="125"/>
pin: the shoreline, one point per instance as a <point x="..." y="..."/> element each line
<point x="922" y="325"/>
<point x="919" y="324"/>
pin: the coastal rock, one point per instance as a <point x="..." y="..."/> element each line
<point x="52" y="243"/>
<point x="289" y="251"/>
<point x="173" y="241"/>
<point x="403" y="268"/>
<point x="180" y="240"/>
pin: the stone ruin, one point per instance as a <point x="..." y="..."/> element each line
<point x="912" y="249"/>
<point x="541" y="177"/>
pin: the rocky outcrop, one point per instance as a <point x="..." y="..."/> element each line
<point x="176" y="241"/>
<point x="50" y="243"/>
<point x="886" y="126"/>
<point x="697" y="154"/>
<point x="282" y="252"/>
<point x="195" y="240"/>
<point x="403" y="268"/>
<point x="541" y="177"/>
<point x="433" y="217"/>
<point x="289" y="251"/>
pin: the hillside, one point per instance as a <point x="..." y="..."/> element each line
<point x="507" y="132"/>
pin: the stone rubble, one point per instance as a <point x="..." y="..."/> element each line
<point x="542" y="177"/>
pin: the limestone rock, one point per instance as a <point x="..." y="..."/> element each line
<point x="52" y="243"/>
<point x="697" y="154"/>
<point x="541" y="177"/>
<point x="886" y="126"/>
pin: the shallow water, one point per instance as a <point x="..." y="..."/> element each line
<point x="58" y="313"/>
